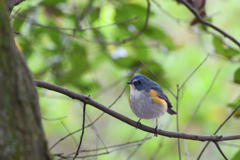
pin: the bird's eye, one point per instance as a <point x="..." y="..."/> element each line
<point x="139" y="82"/>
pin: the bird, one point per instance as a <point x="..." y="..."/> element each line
<point x="147" y="99"/>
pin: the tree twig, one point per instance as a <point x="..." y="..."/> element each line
<point x="218" y="147"/>
<point x="193" y="72"/>
<point x="177" y="117"/>
<point x="203" y="98"/>
<point x="83" y="124"/>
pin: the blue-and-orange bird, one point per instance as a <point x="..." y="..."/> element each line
<point x="147" y="99"/>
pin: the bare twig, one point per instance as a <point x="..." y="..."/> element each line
<point x="138" y="146"/>
<point x="96" y="131"/>
<point x="177" y="101"/>
<point x="32" y="22"/>
<point x="218" y="147"/>
<point x="83" y="124"/>
<point x="217" y="131"/>
<point x="193" y="72"/>
<point x="229" y="144"/>
<point x="75" y="141"/>
<point x="87" y="100"/>
<point x="203" y="98"/>
<point x="104" y="153"/>
<point x="15" y="13"/>
<point x="186" y="150"/>
<point x="53" y="119"/>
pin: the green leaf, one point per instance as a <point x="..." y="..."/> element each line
<point x="157" y="34"/>
<point x="127" y="62"/>
<point x="236" y="156"/>
<point x="237" y="76"/>
<point x="234" y="105"/>
<point x="130" y="10"/>
<point x="222" y="50"/>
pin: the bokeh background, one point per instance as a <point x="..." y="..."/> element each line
<point x="84" y="46"/>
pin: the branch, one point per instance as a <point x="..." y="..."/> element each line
<point x="204" y="22"/>
<point x="12" y="3"/>
<point x="218" y="147"/>
<point x="87" y="100"/>
<point x="81" y="138"/>
<point x="177" y="118"/>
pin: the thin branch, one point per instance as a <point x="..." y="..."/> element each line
<point x="53" y="119"/>
<point x="32" y="22"/>
<point x="96" y="131"/>
<point x="193" y="72"/>
<point x="178" y="140"/>
<point x="88" y="100"/>
<point x="229" y="144"/>
<point x="15" y="13"/>
<point x="218" y="147"/>
<point x="134" y="36"/>
<point x="138" y="146"/>
<point x="204" y="22"/>
<point x="186" y="150"/>
<point x="83" y="124"/>
<point x="203" y="98"/>
<point x="12" y="3"/>
<point x="217" y="131"/>
<point x="104" y="153"/>
<point x="75" y="141"/>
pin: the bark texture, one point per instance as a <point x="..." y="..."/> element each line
<point x="12" y="3"/>
<point x="21" y="132"/>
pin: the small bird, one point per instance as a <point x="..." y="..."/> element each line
<point x="147" y="99"/>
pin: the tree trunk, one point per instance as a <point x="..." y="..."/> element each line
<point x="21" y="132"/>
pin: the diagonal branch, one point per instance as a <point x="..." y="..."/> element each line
<point x="204" y="22"/>
<point x="218" y="147"/>
<point x="12" y="3"/>
<point x="87" y="100"/>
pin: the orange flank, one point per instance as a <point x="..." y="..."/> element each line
<point x="157" y="99"/>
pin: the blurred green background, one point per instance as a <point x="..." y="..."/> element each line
<point x="80" y="45"/>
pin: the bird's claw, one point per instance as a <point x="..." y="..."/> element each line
<point x="156" y="131"/>
<point x="139" y="124"/>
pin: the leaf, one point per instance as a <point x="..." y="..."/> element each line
<point x="220" y="49"/>
<point x="130" y="10"/>
<point x="234" y="105"/>
<point x="236" y="156"/>
<point x="237" y="76"/>
<point x="157" y="34"/>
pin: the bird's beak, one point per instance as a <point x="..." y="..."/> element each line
<point x="129" y="82"/>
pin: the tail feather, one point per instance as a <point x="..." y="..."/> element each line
<point x="171" y="111"/>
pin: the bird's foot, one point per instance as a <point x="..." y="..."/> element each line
<point x="156" y="131"/>
<point x="139" y="124"/>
